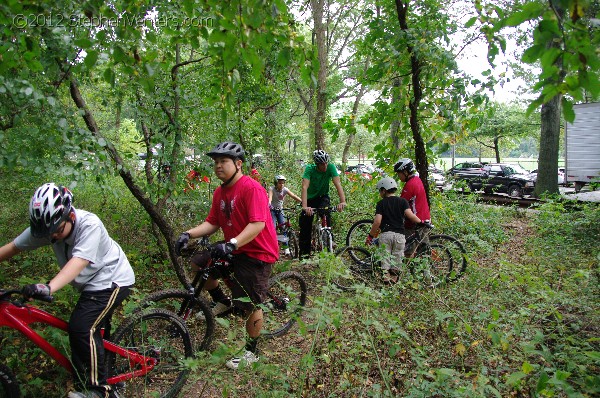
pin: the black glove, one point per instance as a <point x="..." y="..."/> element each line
<point x="182" y="243"/>
<point x="426" y="223"/>
<point x="37" y="290"/>
<point x="222" y="250"/>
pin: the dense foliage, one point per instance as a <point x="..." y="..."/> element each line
<point x="523" y="322"/>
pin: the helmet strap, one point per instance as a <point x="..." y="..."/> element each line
<point x="225" y="183"/>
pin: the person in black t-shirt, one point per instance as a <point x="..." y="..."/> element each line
<point x="390" y="213"/>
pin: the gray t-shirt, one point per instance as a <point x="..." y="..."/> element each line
<point x="89" y="241"/>
<point x="278" y="196"/>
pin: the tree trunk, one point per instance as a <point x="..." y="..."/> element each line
<point x="395" y="125"/>
<point x="321" y="92"/>
<point x="547" y="181"/>
<point x="417" y="94"/>
<point x="497" y="148"/>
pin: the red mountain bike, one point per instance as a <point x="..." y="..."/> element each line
<point x="143" y="356"/>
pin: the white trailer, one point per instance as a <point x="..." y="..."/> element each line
<point x="582" y="144"/>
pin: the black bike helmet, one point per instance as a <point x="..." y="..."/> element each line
<point x="230" y="149"/>
<point x="405" y="164"/>
<point x="50" y="205"/>
<point x="320" y="156"/>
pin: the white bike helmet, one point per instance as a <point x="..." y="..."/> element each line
<point x="387" y="183"/>
<point x="50" y="205"/>
<point x="320" y="156"/>
<point x="405" y="164"/>
<point x="279" y="177"/>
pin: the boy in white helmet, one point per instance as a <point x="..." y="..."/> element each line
<point x="390" y="213"/>
<point x="92" y="263"/>
<point x="277" y="194"/>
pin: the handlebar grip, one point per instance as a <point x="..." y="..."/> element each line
<point x="47" y="299"/>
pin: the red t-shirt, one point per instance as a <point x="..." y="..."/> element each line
<point x="235" y="207"/>
<point x="414" y="192"/>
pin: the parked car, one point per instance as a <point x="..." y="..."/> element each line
<point x="436" y="177"/>
<point x="359" y="171"/>
<point x="503" y="178"/>
<point x="561" y="176"/>
<point x="466" y="168"/>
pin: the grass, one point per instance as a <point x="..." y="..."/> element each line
<point x="522" y="322"/>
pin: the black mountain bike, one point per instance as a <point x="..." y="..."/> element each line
<point x="286" y="299"/>
<point x="433" y="259"/>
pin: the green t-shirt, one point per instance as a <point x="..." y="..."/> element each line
<point x="319" y="182"/>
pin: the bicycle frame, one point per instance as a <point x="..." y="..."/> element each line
<point x="204" y="273"/>
<point x="322" y="225"/>
<point x="19" y="316"/>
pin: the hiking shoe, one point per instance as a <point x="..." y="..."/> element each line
<point x="217" y="309"/>
<point x="247" y="359"/>
<point x="86" y="394"/>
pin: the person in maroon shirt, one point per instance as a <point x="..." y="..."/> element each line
<point x="413" y="191"/>
<point x="240" y="209"/>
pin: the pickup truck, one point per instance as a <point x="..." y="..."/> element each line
<point x="501" y="177"/>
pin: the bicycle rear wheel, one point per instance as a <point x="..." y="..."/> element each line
<point x="9" y="387"/>
<point x="285" y="303"/>
<point x="357" y="234"/>
<point x="356" y="267"/>
<point x="454" y="251"/>
<point x="156" y="333"/>
<point x="441" y="261"/>
<point x="197" y="313"/>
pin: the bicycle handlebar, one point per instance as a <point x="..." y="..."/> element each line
<point x="6" y="294"/>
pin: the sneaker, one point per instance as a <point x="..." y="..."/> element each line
<point x="217" y="309"/>
<point x="247" y="359"/>
<point x="86" y="394"/>
<point x="286" y="252"/>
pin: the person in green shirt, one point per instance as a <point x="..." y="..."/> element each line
<point x="315" y="194"/>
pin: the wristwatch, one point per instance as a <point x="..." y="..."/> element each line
<point x="234" y="242"/>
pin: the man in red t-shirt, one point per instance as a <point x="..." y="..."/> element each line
<point x="240" y="209"/>
<point x="413" y="191"/>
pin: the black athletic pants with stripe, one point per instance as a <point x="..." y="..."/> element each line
<point x="92" y="313"/>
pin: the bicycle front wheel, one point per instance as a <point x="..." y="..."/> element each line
<point x="293" y="244"/>
<point x="327" y="240"/>
<point x="356" y="266"/>
<point x="195" y="311"/>
<point x="285" y="302"/>
<point x="155" y="333"/>
<point x="9" y="387"/>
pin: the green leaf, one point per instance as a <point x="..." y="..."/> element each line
<point x="568" y="112"/>
<point x="109" y="76"/>
<point x="533" y="53"/>
<point x="471" y="22"/>
<point x="118" y="54"/>
<point x="91" y="58"/>
<point x="514" y="378"/>
<point x="83" y="42"/>
<point x="595" y="355"/>
<point x="527" y="368"/>
<point x="517" y="18"/>
<point x="542" y="382"/>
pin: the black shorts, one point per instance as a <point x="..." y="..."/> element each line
<point x="248" y="279"/>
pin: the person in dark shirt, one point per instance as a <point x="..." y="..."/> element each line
<point x="390" y="213"/>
